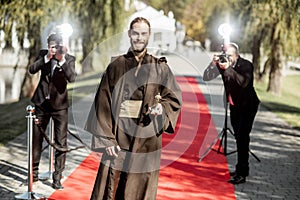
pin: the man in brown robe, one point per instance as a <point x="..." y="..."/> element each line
<point x="137" y="100"/>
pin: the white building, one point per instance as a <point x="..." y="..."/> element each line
<point x="163" y="28"/>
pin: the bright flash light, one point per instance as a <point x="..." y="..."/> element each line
<point x="66" y="30"/>
<point x="224" y="30"/>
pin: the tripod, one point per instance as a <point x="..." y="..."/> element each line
<point x="223" y="135"/>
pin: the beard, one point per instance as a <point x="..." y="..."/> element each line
<point x="138" y="47"/>
<point x="139" y="50"/>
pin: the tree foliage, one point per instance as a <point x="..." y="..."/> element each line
<point x="265" y="27"/>
<point x="201" y="18"/>
<point x="272" y="25"/>
<point x="268" y="28"/>
<point x="194" y="28"/>
<point x="96" y="19"/>
<point x="29" y="17"/>
<point x="177" y="7"/>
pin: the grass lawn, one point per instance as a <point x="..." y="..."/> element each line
<point x="286" y="106"/>
<point x="13" y="120"/>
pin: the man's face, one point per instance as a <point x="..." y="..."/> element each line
<point x="139" y="36"/>
<point x="232" y="55"/>
<point x="52" y="47"/>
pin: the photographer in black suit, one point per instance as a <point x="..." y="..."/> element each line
<point x="56" y="68"/>
<point x="237" y="75"/>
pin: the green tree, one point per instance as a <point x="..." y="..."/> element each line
<point x="273" y="25"/>
<point x="29" y="16"/>
<point x="194" y="28"/>
<point x="177" y="7"/>
<point x="210" y="15"/>
<point x="99" y="19"/>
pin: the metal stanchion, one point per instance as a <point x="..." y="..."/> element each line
<point x="30" y="194"/>
<point x="48" y="175"/>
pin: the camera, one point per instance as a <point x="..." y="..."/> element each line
<point x="60" y="49"/>
<point x="222" y="57"/>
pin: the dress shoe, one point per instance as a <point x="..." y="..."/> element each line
<point x="57" y="185"/>
<point x="237" y="180"/>
<point x="232" y="173"/>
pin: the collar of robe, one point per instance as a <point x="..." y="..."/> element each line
<point x="139" y="58"/>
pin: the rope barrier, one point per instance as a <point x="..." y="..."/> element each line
<point x="56" y="147"/>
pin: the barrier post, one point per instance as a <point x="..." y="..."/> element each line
<point x="29" y="194"/>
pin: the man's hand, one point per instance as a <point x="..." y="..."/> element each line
<point x="60" y="57"/>
<point x="225" y="65"/>
<point x="50" y="54"/>
<point x="113" y="150"/>
<point x="215" y="60"/>
<point x="60" y="53"/>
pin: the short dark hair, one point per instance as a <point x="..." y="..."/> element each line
<point x="54" y="37"/>
<point x="139" y="19"/>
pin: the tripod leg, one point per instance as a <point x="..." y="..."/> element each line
<point x="254" y="156"/>
<point x="221" y="141"/>
<point x="231" y="132"/>
<point x="210" y="147"/>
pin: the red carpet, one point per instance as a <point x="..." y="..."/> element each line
<point x="182" y="177"/>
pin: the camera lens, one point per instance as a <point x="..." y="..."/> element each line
<point x="222" y="58"/>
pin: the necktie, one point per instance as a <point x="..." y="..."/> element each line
<point x="53" y="64"/>
<point x="230" y="100"/>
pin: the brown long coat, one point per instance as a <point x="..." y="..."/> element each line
<point x="133" y="175"/>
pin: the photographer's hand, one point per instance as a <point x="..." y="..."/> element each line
<point x="60" y="57"/>
<point x="215" y="60"/>
<point x="51" y="51"/>
<point x="60" y="53"/>
<point x="224" y="65"/>
<point x="49" y="55"/>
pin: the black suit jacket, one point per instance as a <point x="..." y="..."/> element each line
<point x="54" y="86"/>
<point x="238" y="82"/>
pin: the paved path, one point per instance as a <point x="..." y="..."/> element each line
<point x="277" y="176"/>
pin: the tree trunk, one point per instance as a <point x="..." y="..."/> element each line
<point x="256" y="56"/>
<point x="30" y="81"/>
<point x="276" y="64"/>
<point x="266" y="70"/>
<point x="87" y="55"/>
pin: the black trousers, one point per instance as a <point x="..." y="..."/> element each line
<point x="242" y="121"/>
<point x="60" y="119"/>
